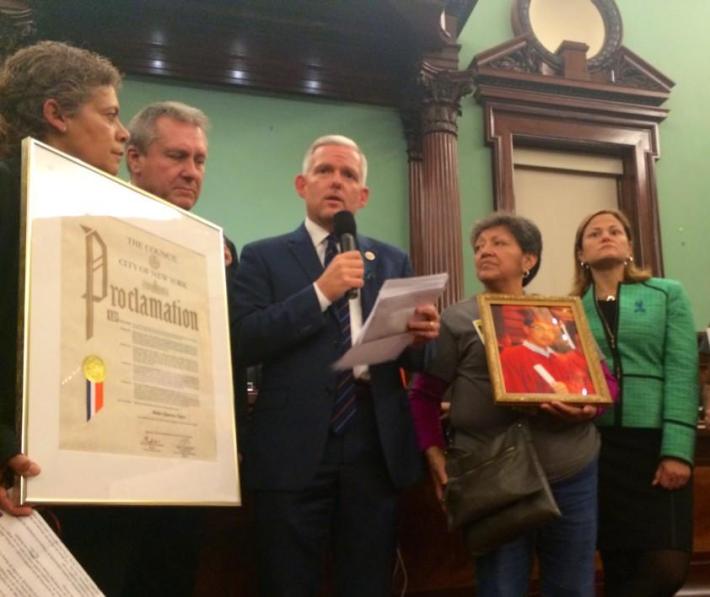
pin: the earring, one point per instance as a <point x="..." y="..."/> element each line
<point x="583" y="264"/>
<point x="526" y="273"/>
<point x="629" y="260"/>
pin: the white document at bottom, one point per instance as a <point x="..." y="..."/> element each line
<point x="35" y="563"/>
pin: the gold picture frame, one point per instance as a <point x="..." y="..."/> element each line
<point x="540" y="349"/>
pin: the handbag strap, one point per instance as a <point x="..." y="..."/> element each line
<point x="514" y="436"/>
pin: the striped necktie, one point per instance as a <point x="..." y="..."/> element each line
<point x="345" y="399"/>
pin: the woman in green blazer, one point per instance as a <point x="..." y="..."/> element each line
<point x="645" y="328"/>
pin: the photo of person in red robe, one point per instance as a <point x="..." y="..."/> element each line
<point x="547" y="361"/>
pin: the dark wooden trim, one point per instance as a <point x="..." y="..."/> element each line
<point x="610" y="107"/>
<point x="702" y="448"/>
<point x="365" y="52"/>
<point x="510" y="125"/>
<point x="517" y="64"/>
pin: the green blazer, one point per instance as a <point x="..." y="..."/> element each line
<point x="655" y="359"/>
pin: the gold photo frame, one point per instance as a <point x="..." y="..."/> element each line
<point x="540" y="349"/>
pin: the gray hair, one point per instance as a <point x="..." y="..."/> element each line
<point x="525" y="232"/>
<point x="335" y="140"/>
<point x="142" y="125"/>
<point x="47" y="70"/>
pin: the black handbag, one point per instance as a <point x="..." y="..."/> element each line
<point x="497" y="490"/>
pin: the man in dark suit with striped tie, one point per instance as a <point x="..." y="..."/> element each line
<point x="325" y="453"/>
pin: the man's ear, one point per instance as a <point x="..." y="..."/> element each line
<point x="364" y="196"/>
<point x="300" y="184"/>
<point x="53" y="114"/>
<point x="133" y="160"/>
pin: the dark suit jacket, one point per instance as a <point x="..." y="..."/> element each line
<point x="239" y="372"/>
<point x="9" y="264"/>
<point x="280" y="325"/>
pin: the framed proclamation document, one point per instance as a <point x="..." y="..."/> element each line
<point x="127" y="393"/>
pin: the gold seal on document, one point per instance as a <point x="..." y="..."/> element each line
<point x="94" y="368"/>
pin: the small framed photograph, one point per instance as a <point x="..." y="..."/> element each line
<point x="540" y="349"/>
<point x="127" y="393"/>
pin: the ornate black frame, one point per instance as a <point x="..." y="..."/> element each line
<point x="612" y="39"/>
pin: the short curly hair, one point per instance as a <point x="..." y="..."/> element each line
<point x="47" y="70"/>
<point x="525" y="232"/>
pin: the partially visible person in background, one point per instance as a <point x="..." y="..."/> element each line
<point x="166" y="155"/>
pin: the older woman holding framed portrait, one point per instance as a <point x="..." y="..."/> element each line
<point x="507" y="250"/>
<point x="644" y="326"/>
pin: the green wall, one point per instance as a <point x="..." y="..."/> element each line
<point x="256" y="146"/>
<point x="671" y="36"/>
<point x="257" y="142"/>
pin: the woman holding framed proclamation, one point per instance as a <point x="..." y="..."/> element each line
<point x="65" y="97"/>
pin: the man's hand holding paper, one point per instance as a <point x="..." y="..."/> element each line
<point x="423" y="325"/>
<point x="404" y="314"/>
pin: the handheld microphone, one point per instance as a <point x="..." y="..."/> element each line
<point x="345" y="231"/>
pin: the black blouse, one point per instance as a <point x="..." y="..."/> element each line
<point x="9" y="258"/>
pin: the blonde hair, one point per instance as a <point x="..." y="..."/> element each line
<point x="582" y="272"/>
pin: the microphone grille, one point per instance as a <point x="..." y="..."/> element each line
<point x="344" y="223"/>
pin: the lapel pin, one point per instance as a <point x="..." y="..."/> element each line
<point x="369" y="255"/>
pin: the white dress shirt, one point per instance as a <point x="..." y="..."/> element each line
<point x="318" y="236"/>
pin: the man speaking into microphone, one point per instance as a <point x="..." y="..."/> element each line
<point x="325" y="452"/>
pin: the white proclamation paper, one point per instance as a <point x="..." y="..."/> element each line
<point x="384" y="335"/>
<point x="145" y="344"/>
<point x="128" y="395"/>
<point x="35" y="563"/>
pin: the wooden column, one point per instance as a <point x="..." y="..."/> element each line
<point x="411" y="122"/>
<point x="441" y="208"/>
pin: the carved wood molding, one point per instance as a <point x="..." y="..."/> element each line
<point x="442" y="91"/>
<point x="431" y="128"/>
<point x="608" y="105"/>
<point x="412" y="127"/>
<point x="518" y="64"/>
<point x="630" y="70"/>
